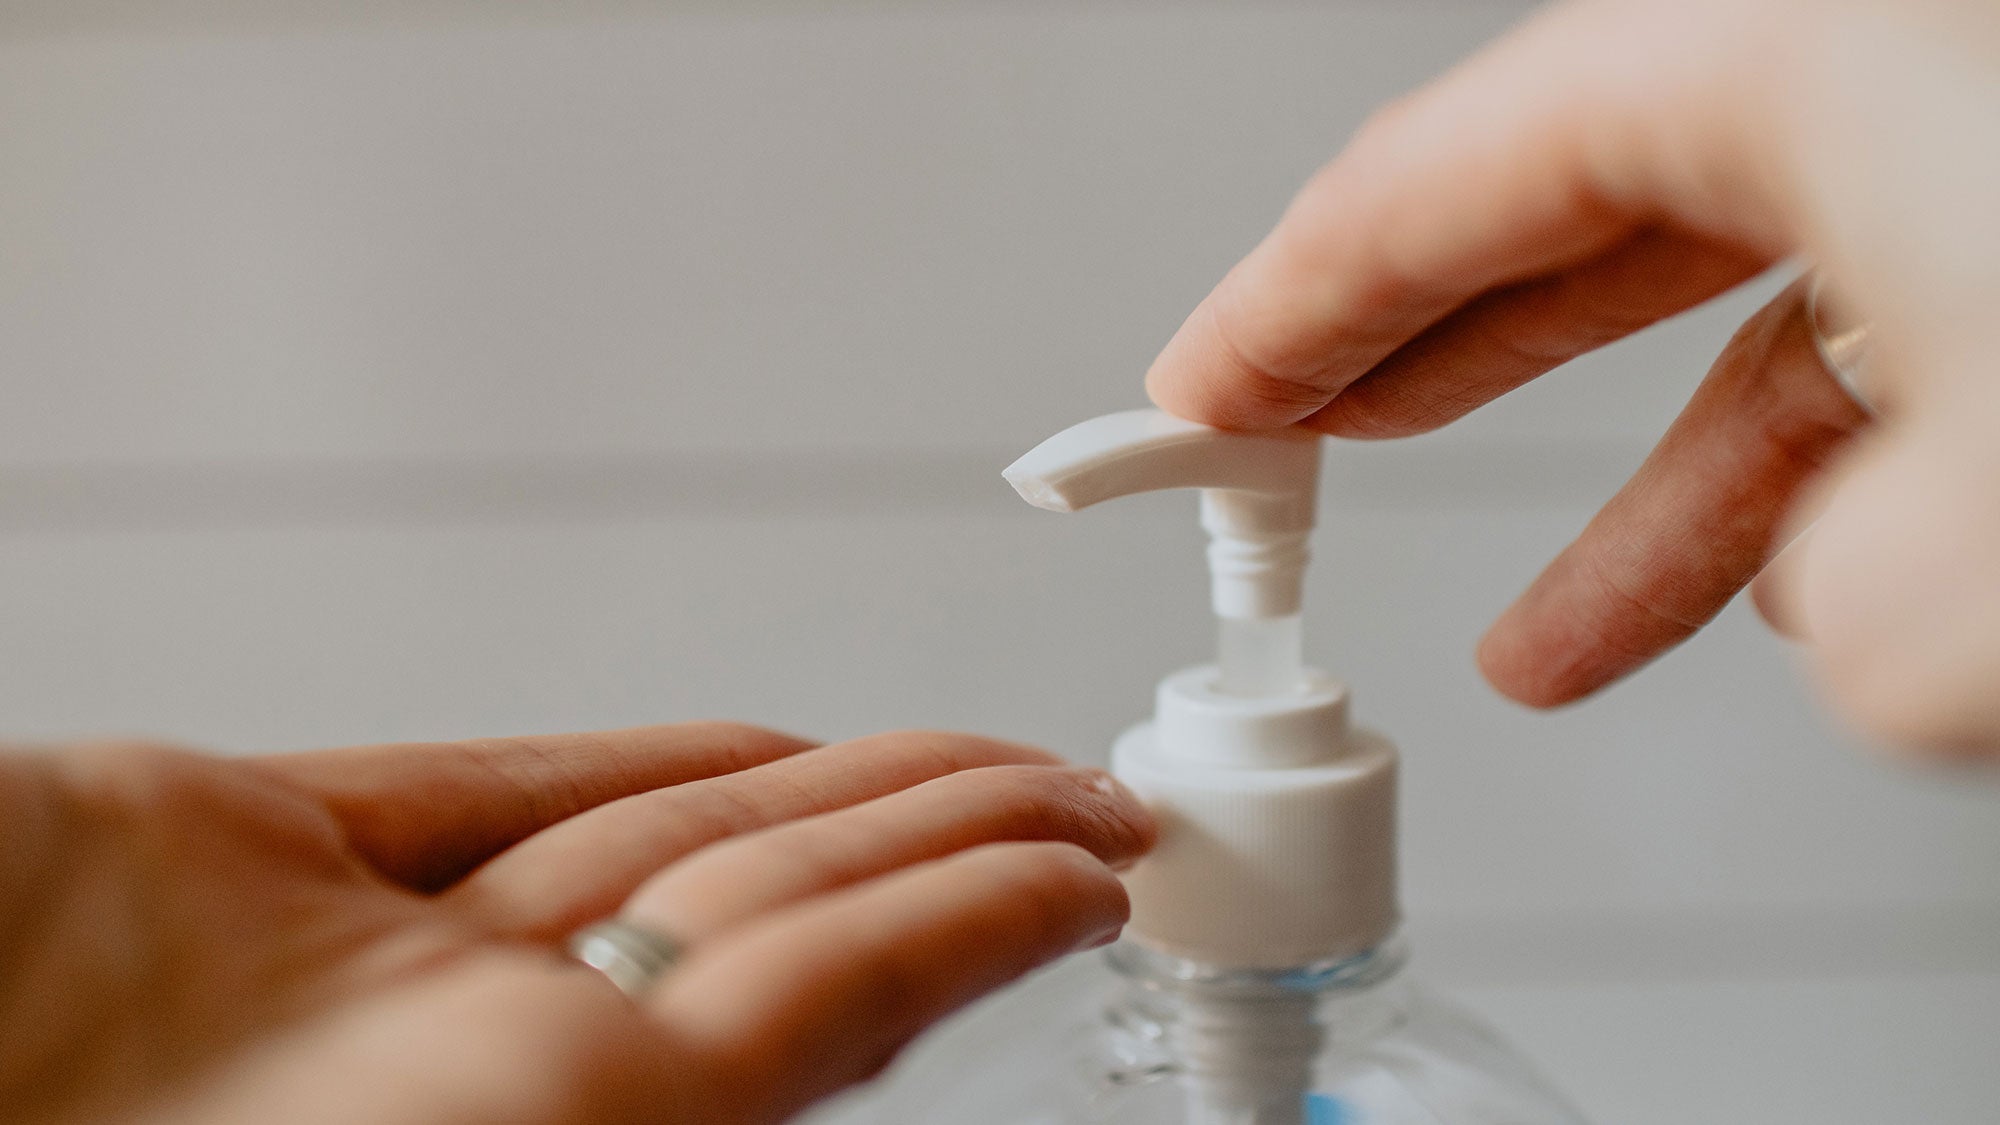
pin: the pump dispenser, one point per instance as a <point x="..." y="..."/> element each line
<point x="1273" y="807"/>
<point x="1257" y="982"/>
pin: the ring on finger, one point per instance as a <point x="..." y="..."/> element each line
<point x="1840" y="339"/>
<point x="632" y="957"/>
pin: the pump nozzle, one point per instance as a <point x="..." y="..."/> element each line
<point x="1257" y="502"/>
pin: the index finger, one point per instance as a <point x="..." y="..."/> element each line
<point x="1580" y="130"/>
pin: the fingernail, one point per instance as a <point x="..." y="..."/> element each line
<point x="1109" y="785"/>
<point x="1137" y="813"/>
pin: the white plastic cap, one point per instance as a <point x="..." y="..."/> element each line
<point x="1277" y="844"/>
<point x="1268" y="867"/>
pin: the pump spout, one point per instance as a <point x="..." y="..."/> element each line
<point x="1257" y="503"/>
<point x="1148" y="450"/>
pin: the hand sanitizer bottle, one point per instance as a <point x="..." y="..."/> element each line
<point x="1257" y="983"/>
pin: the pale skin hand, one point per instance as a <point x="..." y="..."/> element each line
<point x="1611" y="164"/>
<point x="374" y="934"/>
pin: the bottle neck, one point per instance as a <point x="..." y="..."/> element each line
<point x="1244" y="1043"/>
<point x="1160" y="972"/>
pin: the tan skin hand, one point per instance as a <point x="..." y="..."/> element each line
<point x="375" y="934"/>
<point x="1610" y="164"/>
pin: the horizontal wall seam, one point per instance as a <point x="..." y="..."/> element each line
<point x="230" y="493"/>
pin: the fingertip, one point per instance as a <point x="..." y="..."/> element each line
<point x="1132" y="830"/>
<point x="1185" y="381"/>
<point x="1168" y="377"/>
<point x="1527" y="673"/>
<point x="1074" y="896"/>
<point x="1070" y="871"/>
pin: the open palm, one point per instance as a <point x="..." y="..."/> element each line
<point x="374" y="934"/>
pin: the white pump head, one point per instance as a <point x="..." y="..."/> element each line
<point x="1277" y="846"/>
<point x="1257" y="501"/>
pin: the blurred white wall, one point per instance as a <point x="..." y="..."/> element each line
<point x="419" y="371"/>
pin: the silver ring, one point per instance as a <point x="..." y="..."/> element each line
<point x="1841" y="341"/>
<point x="632" y="957"/>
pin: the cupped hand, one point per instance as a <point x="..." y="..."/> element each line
<point x="1610" y="164"/>
<point x="375" y="934"/>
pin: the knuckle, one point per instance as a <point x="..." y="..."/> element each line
<point x="1772" y="375"/>
<point x="1313" y="308"/>
<point x="1383" y="405"/>
<point x="1379" y="290"/>
<point x="1345" y="262"/>
<point x="1804" y="433"/>
<point x="1638" y="615"/>
<point x="1799" y="417"/>
<point x="1243" y="341"/>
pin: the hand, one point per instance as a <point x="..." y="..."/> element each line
<point x="374" y="934"/>
<point x="1611" y="164"/>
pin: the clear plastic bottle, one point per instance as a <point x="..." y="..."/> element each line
<point x="1129" y="1037"/>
